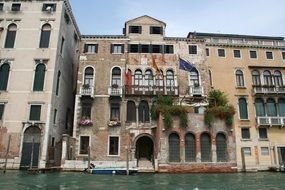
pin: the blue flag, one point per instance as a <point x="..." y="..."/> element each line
<point x="185" y="65"/>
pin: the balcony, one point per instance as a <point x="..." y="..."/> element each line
<point x="196" y="91"/>
<point x="115" y="90"/>
<point x="268" y="89"/>
<point x="270" y="121"/>
<point x="151" y="90"/>
<point x="86" y="90"/>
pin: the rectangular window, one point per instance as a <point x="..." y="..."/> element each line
<point x="2" y="106"/>
<point x="253" y="54"/>
<point x="207" y="52"/>
<point x="16" y="7"/>
<point x="221" y="53"/>
<point x="247" y="151"/>
<point x="84" y="144"/>
<point x="117" y="48"/>
<point x="1" y="6"/>
<point x="269" y="55"/>
<point x="86" y="110"/>
<point x="264" y="151"/>
<point x="192" y="49"/>
<point x="168" y="49"/>
<point x="283" y="55"/>
<point x="134" y="48"/>
<point x="62" y="45"/>
<point x="144" y="48"/>
<point x="113" y="146"/>
<point x="156" y="30"/>
<point x="91" y="48"/>
<point x="156" y="48"/>
<point x="237" y="53"/>
<point x="245" y="133"/>
<point x="135" y="29"/>
<point x="52" y="142"/>
<point x="35" y="113"/>
<point x="115" y="112"/>
<point x="262" y="133"/>
<point x="57" y="83"/>
<point x="49" y="7"/>
<point x="54" y="116"/>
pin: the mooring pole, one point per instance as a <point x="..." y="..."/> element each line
<point x="243" y="160"/>
<point x="7" y="152"/>
<point x="127" y="160"/>
<point x="32" y="154"/>
<point x="88" y="150"/>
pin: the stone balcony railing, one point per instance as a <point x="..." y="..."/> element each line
<point x="115" y="90"/>
<point x="270" y="121"/>
<point x="86" y="90"/>
<point x="151" y="90"/>
<point x="196" y="90"/>
<point x="268" y="89"/>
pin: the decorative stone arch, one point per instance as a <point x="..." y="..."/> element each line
<point x="144" y="147"/>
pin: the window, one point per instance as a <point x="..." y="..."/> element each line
<point x="131" y="111"/>
<point x="91" y="48"/>
<point x="246" y="151"/>
<point x="134" y="48"/>
<point x="115" y="112"/>
<point x="262" y="133"/>
<point x="138" y="78"/>
<point x="66" y="17"/>
<point x="54" y="116"/>
<point x="192" y="49"/>
<point x="271" y="107"/>
<point x="86" y="110"/>
<point x="207" y="52"/>
<point x="269" y="55"/>
<point x="156" y="49"/>
<point x="259" y="107"/>
<point x="190" y="148"/>
<point x="156" y="30"/>
<point x="264" y="151"/>
<point x="243" y="114"/>
<point x="1" y="6"/>
<point x="57" y="83"/>
<point x="239" y="78"/>
<point x="113" y="146"/>
<point x="148" y="79"/>
<point x="253" y="54"/>
<point x="117" y="48"/>
<point x="84" y="144"/>
<point x="45" y="36"/>
<point x="283" y="55"/>
<point x="278" y="81"/>
<point x="4" y="76"/>
<point x="281" y="105"/>
<point x="194" y="78"/>
<point x="245" y="133"/>
<point x="49" y="7"/>
<point x="62" y="45"/>
<point x="169" y="78"/>
<point x="168" y="49"/>
<point x="267" y="78"/>
<point x="256" y="78"/>
<point x="221" y="53"/>
<point x="11" y="36"/>
<point x="53" y="142"/>
<point x="206" y="148"/>
<point x="135" y="29"/>
<point x="35" y="113"/>
<point x="145" y="48"/>
<point x="143" y="112"/>
<point x="2" y="106"/>
<point x="88" y="77"/>
<point x="16" y="7"/>
<point x="210" y="77"/>
<point x="237" y="53"/>
<point x="221" y="144"/>
<point x="174" y="148"/>
<point x="39" y="77"/>
<point x="116" y="76"/>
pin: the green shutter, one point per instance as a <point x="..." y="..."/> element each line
<point x="1" y="110"/>
<point x="259" y="107"/>
<point x="243" y="108"/>
<point x="281" y="106"/>
<point x="35" y="113"/>
<point x="271" y="108"/>
<point x="39" y="77"/>
<point x="4" y="76"/>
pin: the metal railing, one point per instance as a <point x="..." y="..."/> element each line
<point x="86" y="91"/>
<point x="196" y="90"/>
<point x="115" y="90"/>
<point x="151" y="90"/>
<point x="270" y="121"/>
<point x="268" y="90"/>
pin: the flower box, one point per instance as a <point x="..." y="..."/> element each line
<point x="85" y="122"/>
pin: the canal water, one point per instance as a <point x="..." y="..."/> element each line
<point x="14" y="180"/>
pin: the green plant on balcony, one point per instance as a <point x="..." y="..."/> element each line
<point x="219" y="107"/>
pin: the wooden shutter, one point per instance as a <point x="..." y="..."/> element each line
<point x="4" y="76"/>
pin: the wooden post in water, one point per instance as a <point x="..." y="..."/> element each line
<point x="88" y="167"/>
<point x="243" y="160"/>
<point x="7" y="152"/>
<point x="32" y="154"/>
<point x="127" y="160"/>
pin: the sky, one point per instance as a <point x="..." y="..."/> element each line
<point x="248" y="17"/>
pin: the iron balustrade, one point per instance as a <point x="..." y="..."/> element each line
<point x="196" y="90"/>
<point x="268" y="89"/>
<point x="270" y="121"/>
<point x="151" y="90"/>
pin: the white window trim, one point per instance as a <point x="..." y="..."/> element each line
<point x="29" y="110"/>
<point x="224" y="51"/>
<point x="272" y="55"/>
<point x="262" y="139"/>
<point x="83" y="74"/>
<point x="249" y="149"/>
<point x="189" y="49"/>
<point x="91" y="44"/>
<point x="246" y="99"/>
<point x="80" y="144"/>
<point x="113" y="44"/>
<point x="37" y="62"/>
<point x="245" y="127"/>
<point x="268" y="148"/>
<point x="244" y="82"/>
<point x="119" y="145"/>
<point x="251" y="57"/>
<point x="239" y="53"/>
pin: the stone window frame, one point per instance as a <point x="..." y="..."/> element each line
<point x="119" y="145"/>
<point x="79" y="144"/>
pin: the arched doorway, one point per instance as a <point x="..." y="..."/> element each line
<point x="144" y="148"/>
<point x="31" y="147"/>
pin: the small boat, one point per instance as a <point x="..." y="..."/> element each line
<point x="113" y="171"/>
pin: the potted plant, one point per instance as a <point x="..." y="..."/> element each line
<point x="85" y="121"/>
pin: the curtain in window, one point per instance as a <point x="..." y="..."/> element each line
<point x="271" y="107"/>
<point x="4" y="76"/>
<point x="194" y="78"/>
<point x="239" y="78"/>
<point x="45" y="36"/>
<point x="88" y="76"/>
<point x="281" y="106"/>
<point x="206" y="148"/>
<point x="243" y="114"/>
<point x="143" y="112"/>
<point x="174" y="148"/>
<point x="256" y="78"/>
<point x="221" y="145"/>
<point x="39" y="77"/>
<point x="278" y="78"/>
<point x="259" y="107"/>
<point x="11" y="36"/>
<point x="190" y="148"/>
<point x="116" y="76"/>
<point x="267" y="78"/>
<point x="131" y="111"/>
